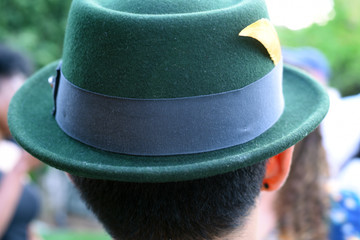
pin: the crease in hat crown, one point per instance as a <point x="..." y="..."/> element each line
<point x="117" y="51"/>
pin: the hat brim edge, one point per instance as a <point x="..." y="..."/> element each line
<point x="35" y="129"/>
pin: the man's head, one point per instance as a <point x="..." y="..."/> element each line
<point x="14" y="68"/>
<point x="202" y="209"/>
<point x="166" y="99"/>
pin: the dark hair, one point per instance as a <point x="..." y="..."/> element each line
<point x="12" y="62"/>
<point x="190" y="210"/>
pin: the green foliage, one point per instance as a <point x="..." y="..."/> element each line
<point x="339" y="40"/>
<point x="37" y="27"/>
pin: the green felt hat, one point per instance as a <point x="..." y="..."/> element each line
<point x="156" y="60"/>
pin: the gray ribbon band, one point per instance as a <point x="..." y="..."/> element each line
<point x="156" y="127"/>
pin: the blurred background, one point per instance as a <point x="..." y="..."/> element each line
<point x="36" y="28"/>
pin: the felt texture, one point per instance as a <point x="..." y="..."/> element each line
<point x="169" y="126"/>
<point x="34" y="127"/>
<point x="163" y="49"/>
<point x="166" y="6"/>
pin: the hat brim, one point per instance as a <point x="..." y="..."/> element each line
<point x="35" y="129"/>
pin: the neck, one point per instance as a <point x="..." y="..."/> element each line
<point x="249" y="229"/>
<point x="267" y="216"/>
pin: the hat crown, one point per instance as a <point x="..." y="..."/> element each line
<point x="163" y="49"/>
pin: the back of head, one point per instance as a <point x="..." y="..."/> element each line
<point x="175" y="105"/>
<point x="12" y="63"/>
<point x="208" y="208"/>
<point x="14" y="68"/>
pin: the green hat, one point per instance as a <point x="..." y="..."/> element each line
<point x="160" y="91"/>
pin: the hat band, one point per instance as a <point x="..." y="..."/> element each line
<point x="156" y="127"/>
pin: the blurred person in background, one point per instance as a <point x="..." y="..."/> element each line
<point x="157" y="187"/>
<point x="299" y="210"/>
<point x="310" y="205"/>
<point x="19" y="202"/>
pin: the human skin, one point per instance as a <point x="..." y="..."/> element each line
<point x="277" y="170"/>
<point x="8" y="87"/>
<point x="11" y="185"/>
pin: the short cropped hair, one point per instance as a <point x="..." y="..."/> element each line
<point x="191" y="210"/>
<point x="12" y="62"/>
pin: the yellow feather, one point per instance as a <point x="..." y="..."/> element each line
<point x="263" y="31"/>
